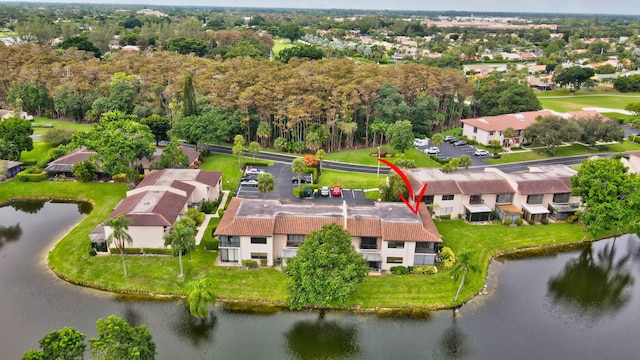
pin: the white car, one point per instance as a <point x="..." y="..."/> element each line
<point x="434" y="150"/>
<point x="420" y="142"/>
<point x="253" y="171"/>
<point x="481" y="152"/>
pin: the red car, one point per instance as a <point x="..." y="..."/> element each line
<point x="336" y="191"/>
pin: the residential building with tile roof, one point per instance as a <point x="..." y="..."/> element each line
<point x="386" y="234"/>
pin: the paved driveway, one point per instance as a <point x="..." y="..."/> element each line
<point x="451" y="151"/>
<point x="284" y="189"/>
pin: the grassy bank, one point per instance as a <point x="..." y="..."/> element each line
<point x="364" y="157"/>
<point x="572" y="150"/>
<point x="158" y="275"/>
<point x="38" y="122"/>
<point x="565" y="102"/>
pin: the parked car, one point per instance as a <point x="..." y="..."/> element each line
<point x="420" y="142"/>
<point x="434" y="150"/>
<point x="253" y="171"/>
<point x="324" y="191"/>
<point x="307" y="192"/>
<point x="450" y="139"/>
<point x="249" y="183"/>
<point x="336" y="191"/>
<point x="249" y="177"/>
<point x="304" y="179"/>
<point x="481" y="152"/>
<point x="460" y="142"/>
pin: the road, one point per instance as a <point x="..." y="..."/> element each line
<point x="366" y="169"/>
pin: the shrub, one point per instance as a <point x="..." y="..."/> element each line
<point x="506" y="222"/>
<point x="208" y="207"/>
<point x="314" y="174"/>
<point x="210" y="244"/>
<point x="250" y="264"/>
<point x="126" y="251"/>
<point x="426" y="270"/>
<point x="531" y="222"/>
<point x="439" y="160"/>
<point x="445" y="217"/>
<point x="263" y="262"/>
<point x="255" y="163"/>
<point x="544" y="221"/>
<point x="119" y="178"/>
<point x="571" y="219"/>
<point x="31" y="175"/>
<point x="519" y="221"/>
<point x="448" y="258"/>
<point x="399" y="270"/>
<point x="406" y="163"/>
<point x="196" y="215"/>
<point x="310" y="161"/>
<point x="221" y="211"/>
<point x="155" y="251"/>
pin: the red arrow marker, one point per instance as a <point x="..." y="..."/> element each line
<point x="408" y="185"/>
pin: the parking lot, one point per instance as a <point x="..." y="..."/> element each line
<point x="284" y="189"/>
<point x="448" y="150"/>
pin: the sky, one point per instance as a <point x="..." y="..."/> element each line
<point x="624" y="7"/>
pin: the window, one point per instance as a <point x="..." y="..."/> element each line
<point x="394" y="260"/>
<point x="447" y="197"/>
<point x="446" y="210"/>
<point x="535" y="199"/>
<point x="425" y="247"/>
<point x="229" y="255"/>
<point x="259" y="256"/>
<point x="368" y="243"/>
<point x="395" y="245"/>
<point x="475" y="199"/>
<point x="229" y="241"/>
<point x="491" y="132"/>
<point x="258" y="240"/>
<point x="504" y="198"/>
<point x="475" y="130"/>
<point x="421" y="260"/>
<point x="294" y="240"/>
<point x="561" y="198"/>
<point x="428" y="199"/>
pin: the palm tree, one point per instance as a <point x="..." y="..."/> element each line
<point x="266" y="183"/>
<point x="199" y="298"/>
<point x="298" y="167"/>
<point x="254" y="148"/>
<point x="437" y="139"/>
<point x="509" y="133"/>
<point x="238" y="151"/>
<point x="120" y="237"/>
<point x="313" y="141"/>
<point x="264" y="131"/>
<point x="320" y="155"/>
<point x="181" y="238"/>
<point x="461" y="268"/>
<point x="465" y="161"/>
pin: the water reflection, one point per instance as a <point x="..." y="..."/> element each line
<point x="453" y="342"/>
<point x="322" y="339"/>
<point x="10" y="233"/>
<point x="594" y="285"/>
<point x="197" y="331"/>
<point x="28" y="206"/>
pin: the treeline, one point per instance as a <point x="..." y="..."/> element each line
<point x="337" y="99"/>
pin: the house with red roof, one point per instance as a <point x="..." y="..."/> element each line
<point x="386" y="234"/>
<point x="158" y="202"/>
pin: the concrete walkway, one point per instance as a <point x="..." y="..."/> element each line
<point x="600" y="109"/>
<point x="203" y="227"/>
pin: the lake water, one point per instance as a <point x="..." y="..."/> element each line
<point x="577" y="305"/>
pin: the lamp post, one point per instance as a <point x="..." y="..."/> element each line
<point x="378" y="173"/>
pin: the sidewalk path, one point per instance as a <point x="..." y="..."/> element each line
<point x="203" y="227"/>
<point x="599" y="109"/>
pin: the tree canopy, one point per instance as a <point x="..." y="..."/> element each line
<point x="552" y="131"/>
<point x="15" y="137"/>
<point x="119" y="340"/>
<point x="400" y="135"/>
<point x="610" y="196"/>
<point x="326" y="269"/>
<point x="574" y="76"/>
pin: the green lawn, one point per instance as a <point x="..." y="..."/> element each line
<point x="577" y="102"/>
<point x="363" y="157"/>
<point x="573" y="150"/>
<point x="158" y="274"/>
<point x="228" y="164"/>
<point x="349" y="180"/>
<point x="58" y="124"/>
<point x="38" y="153"/>
<point x="280" y="44"/>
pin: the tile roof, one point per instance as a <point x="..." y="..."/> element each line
<point x="543" y="186"/>
<point x="466" y="182"/>
<point x="167" y="177"/>
<point x="390" y="221"/>
<point x="485" y="186"/>
<point x="151" y="208"/>
<point x="192" y="155"/>
<point x="519" y="121"/>
<point x="65" y="163"/>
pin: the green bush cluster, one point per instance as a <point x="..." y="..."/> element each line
<point x="250" y="264"/>
<point x="506" y="222"/>
<point x="399" y="270"/>
<point x="142" y="251"/>
<point x="121" y="178"/>
<point x="571" y="219"/>
<point x="439" y="160"/>
<point x="314" y="174"/>
<point x="208" y="207"/>
<point x="32" y="175"/>
<point x="425" y="270"/>
<point x="221" y="211"/>
<point x="544" y="221"/>
<point x="196" y="215"/>
<point x="448" y="258"/>
<point x="531" y="222"/>
<point x="255" y="163"/>
<point x="445" y="217"/>
<point x="263" y="262"/>
<point x="519" y="221"/>
<point x="210" y="244"/>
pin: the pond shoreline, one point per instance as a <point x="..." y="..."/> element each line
<point x="281" y="305"/>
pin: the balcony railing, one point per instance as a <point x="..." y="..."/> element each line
<point x="229" y="243"/>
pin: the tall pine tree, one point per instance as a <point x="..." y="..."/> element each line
<point x="189" y="97"/>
